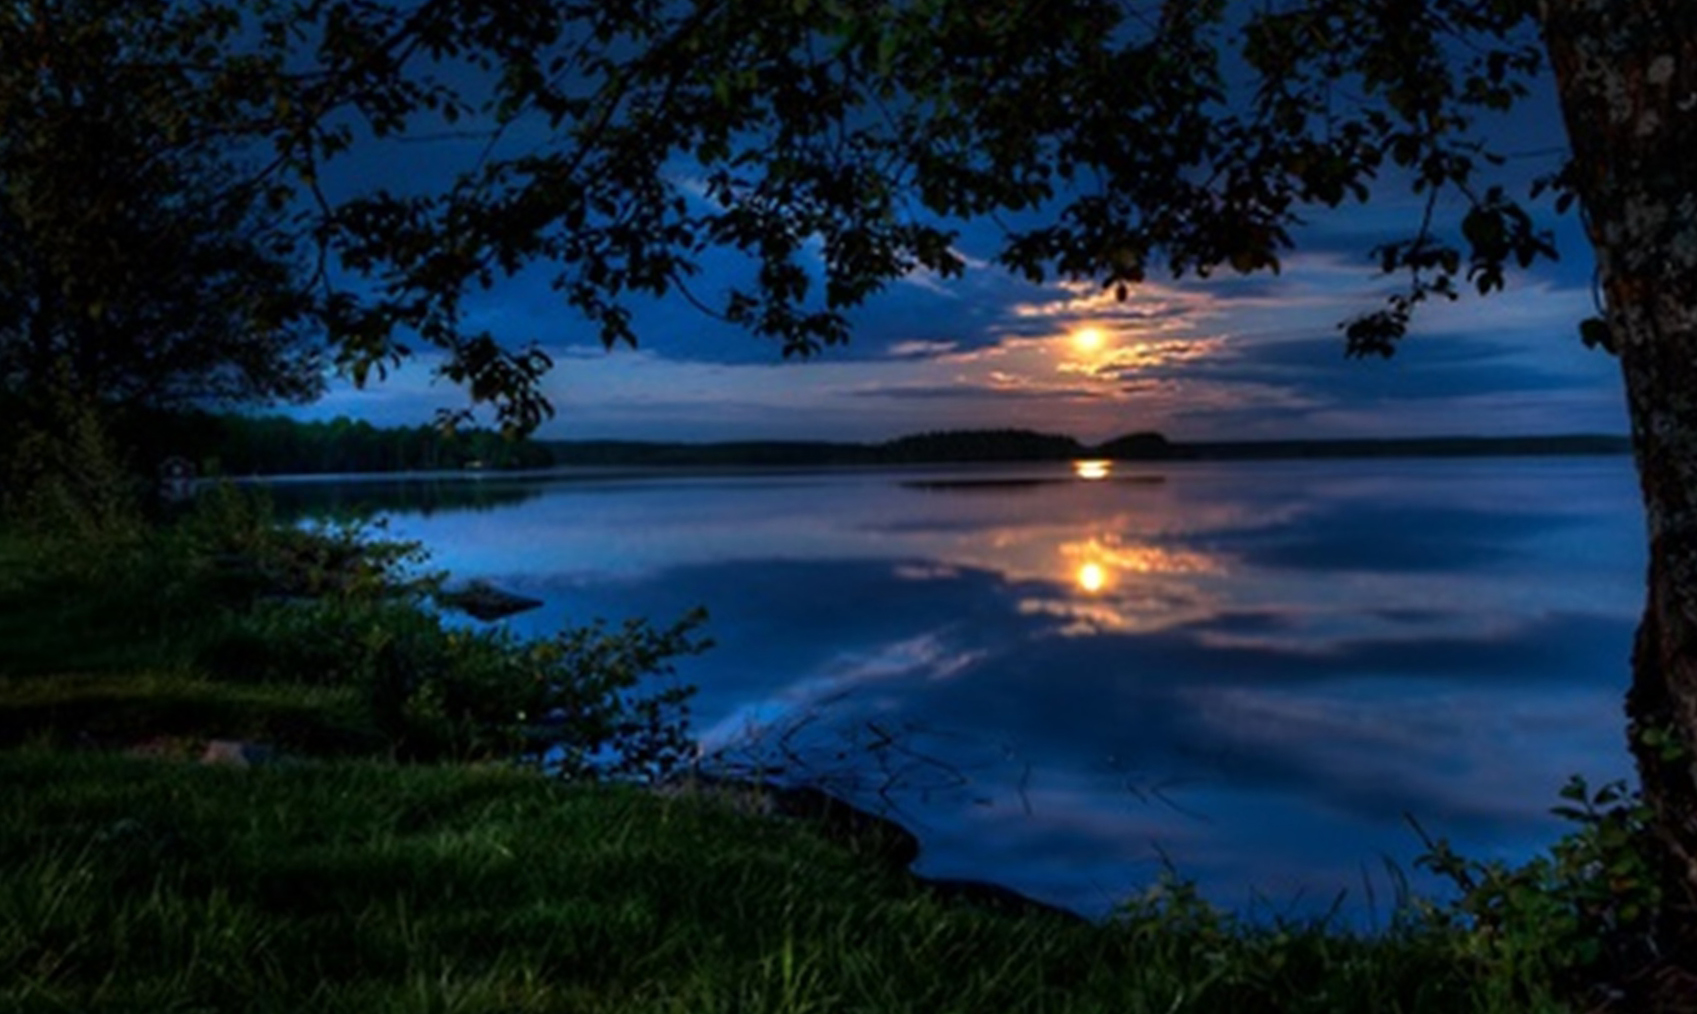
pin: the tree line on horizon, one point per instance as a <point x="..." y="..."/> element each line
<point x="244" y="445"/>
<point x="238" y="445"/>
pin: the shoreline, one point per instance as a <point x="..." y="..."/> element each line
<point x="858" y="829"/>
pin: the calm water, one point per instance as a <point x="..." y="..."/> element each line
<point x="1254" y="670"/>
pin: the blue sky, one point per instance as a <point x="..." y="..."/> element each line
<point x="1234" y="357"/>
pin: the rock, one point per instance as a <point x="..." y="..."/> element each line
<point x="483" y="601"/>
<point x="837" y="820"/>
<point x="996" y="898"/>
<point x="860" y="831"/>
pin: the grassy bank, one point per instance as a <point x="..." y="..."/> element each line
<point x="147" y="885"/>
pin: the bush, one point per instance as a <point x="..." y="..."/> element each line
<point x="340" y="606"/>
<point x="1583" y="917"/>
<point x="68" y="489"/>
<point x="236" y="551"/>
<point x="227" y="590"/>
<point x="569" y="704"/>
<point x="575" y="704"/>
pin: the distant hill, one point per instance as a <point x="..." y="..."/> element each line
<point x="1136" y="447"/>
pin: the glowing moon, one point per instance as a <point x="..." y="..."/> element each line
<point x="1092" y="577"/>
<point x="1090" y="339"/>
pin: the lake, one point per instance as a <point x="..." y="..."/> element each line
<point x="1062" y="677"/>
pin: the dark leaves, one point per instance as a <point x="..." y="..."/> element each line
<point x="831" y="145"/>
<point x="1377" y="333"/>
<point x="1596" y="333"/>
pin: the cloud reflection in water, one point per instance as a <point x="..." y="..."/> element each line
<point x="1257" y="668"/>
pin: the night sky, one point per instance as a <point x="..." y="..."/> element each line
<point x="1232" y="357"/>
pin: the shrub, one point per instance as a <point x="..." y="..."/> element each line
<point x="576" y="704"/>
<point x="340" y="606"/>
<point x="67" y="488"/>
<point x="1582" y="917"/>
<point x="570" y="704"/>
<point x="238" y="552"/>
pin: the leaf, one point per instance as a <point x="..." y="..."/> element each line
<point x="1596" y="333"/>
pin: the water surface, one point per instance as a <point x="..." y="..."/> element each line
<point x="1253" y="670"/>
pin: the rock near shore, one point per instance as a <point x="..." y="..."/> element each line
<point x="860" y="831"/>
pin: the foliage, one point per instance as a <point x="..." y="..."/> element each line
<point x="1582" y="924"/>
<point x="1188" y="138"/>
<point x="573" y="704"/>
<point x="231" y="546"/>
<point x="1173" y="924"/>
<point x="276" y="445"/>
<point x="339" y="607"/>
<point x="66" y="486"/>
<point x="226" y="591"/>
<point x="1584" y="917"/>
<point x="138" y="264"/>
<point x="165" y="711"/>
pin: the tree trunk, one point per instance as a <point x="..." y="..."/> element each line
<point x="1627" y="74"/>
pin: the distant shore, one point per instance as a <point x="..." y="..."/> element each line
<point x="276" y="445"/>
<point x="1013" y="446"/>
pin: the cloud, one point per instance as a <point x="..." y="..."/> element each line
<point x="919" y="349"/>
<point x="1145" y="358"/>
<point x="1152" y="306"/>
<point x="922" y="392"/>
<point x="931" y="282"/>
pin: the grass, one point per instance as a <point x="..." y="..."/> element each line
<point x="50" y="626"/>
<point x="130" y="884"/>
<point x="124" y="708"/>
<point x="87" y="664"/>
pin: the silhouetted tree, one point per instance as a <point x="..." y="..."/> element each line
<point x="137" y="268"/>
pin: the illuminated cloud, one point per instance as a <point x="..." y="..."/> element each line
<point x="1253" y="357"/>
<point x="1124" y="361"/>
<point x="920" y="349"/>
<point x="996" y="388"/>
<point x="1160" y="309"/>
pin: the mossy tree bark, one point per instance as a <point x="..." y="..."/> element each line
<point x="1627" y="73"/>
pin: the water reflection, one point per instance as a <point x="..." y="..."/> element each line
<point x="349" y="499"/>
<point x="1093" y="471"/>
<point x="1256" y="669"/>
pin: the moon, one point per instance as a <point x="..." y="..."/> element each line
<point x="1090" y="339"/>
<point x="1092" y="577"/>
